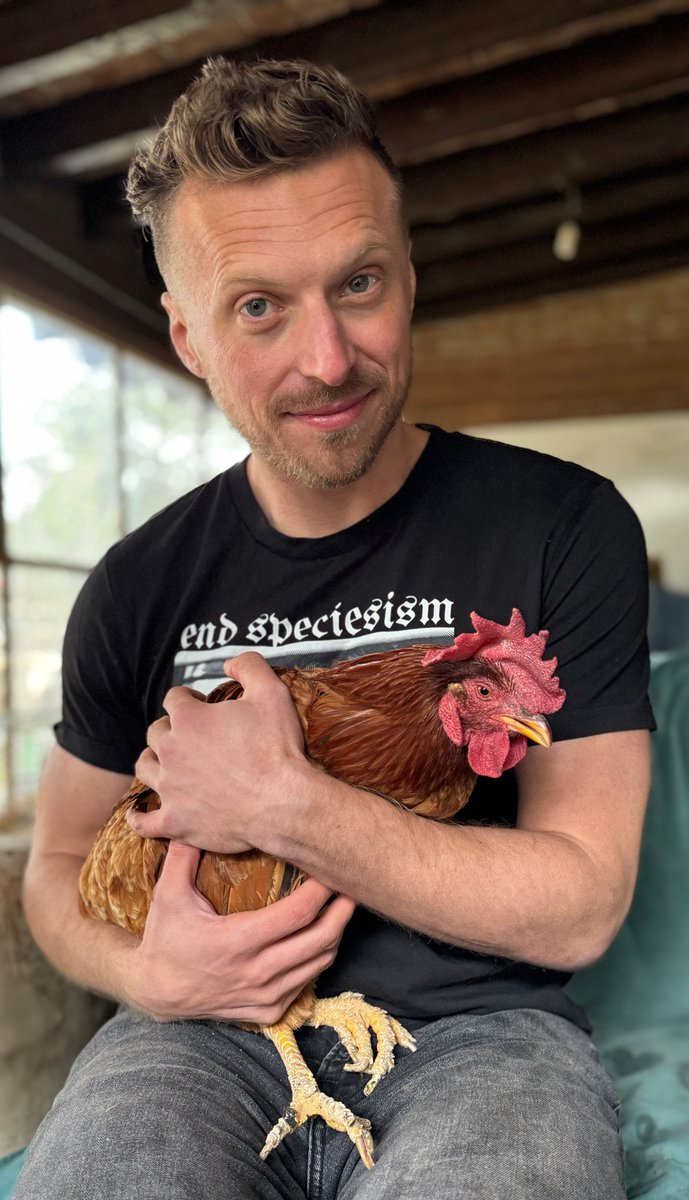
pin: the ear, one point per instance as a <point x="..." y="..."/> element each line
<point x="181" y="337"/>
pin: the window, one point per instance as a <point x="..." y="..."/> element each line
<point x="93" y="440"/>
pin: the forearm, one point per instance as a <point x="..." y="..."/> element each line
<point x="553" y="891"/>
<point x="530" y="896"/>
<point x="94" y="954"/>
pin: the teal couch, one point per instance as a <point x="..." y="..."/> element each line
<point x="637" y="996"/>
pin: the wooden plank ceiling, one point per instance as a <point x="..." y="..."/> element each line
<point x="508" y="117"/>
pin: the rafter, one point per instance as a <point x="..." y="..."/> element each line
<point x="54" y="49"/>
<point x="612" y="201"/>
<point x="657" y="241"/>
<point x="616" y="70"/>
<point x="112" y="45"/>
<point x="546" y="164"/>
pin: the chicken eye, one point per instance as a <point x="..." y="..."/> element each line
<point x="483" y="691"/>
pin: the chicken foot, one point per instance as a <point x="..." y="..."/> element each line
<point x="308" y="1101"/>
<point x="352" y="1018"/>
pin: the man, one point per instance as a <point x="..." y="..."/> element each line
<point x="277" y="222"/>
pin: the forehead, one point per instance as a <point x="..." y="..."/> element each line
<point x="320" y="209"/>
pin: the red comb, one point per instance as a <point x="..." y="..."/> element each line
<point x="497" y="643"/>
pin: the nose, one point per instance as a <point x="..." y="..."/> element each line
<point x="324" y="350"/>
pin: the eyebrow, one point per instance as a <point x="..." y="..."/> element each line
<point x="262" y="281"/>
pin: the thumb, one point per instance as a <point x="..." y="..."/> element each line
<point x="178" y="872"/>
<point x="249" y="668"/>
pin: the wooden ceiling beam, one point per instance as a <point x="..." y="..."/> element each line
<point x="546" y="164"/>
<point x="471" y="37"/>
<point x="621" y="69"/>
<point x="611" y="250"/>
<point x="617" y="200"/>
<point x="613" y="72"/>
<point x="32" y="31"/>
<point x="48" y="56"/>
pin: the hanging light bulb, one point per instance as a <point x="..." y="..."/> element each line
<point x="566" y="240"/>
<point x="568" y="233"/>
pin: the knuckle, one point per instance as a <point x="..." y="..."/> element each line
<point x="327" y="944"/>
<point x="254" y="980"/>
<point x="271" y="1013"/>
<point x="322" y="962"/>
<point x="274" y="996"/>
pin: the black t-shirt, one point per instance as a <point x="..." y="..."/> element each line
<point x="477" y="526"/>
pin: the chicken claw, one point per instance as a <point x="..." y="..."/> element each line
<point x="354" y="1019"/>
<point x="308" y="1101"/>
<point x="333" y="1112"/>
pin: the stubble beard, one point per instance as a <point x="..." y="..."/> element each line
<point x="343" y="455"/>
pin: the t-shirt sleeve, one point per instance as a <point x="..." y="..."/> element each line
<point x="102" y="720"/>
<point x="595" y="602"/>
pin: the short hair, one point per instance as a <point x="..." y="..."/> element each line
<point x="240" y="121"/>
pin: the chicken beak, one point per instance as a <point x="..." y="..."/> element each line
<point x="536" y="729"/>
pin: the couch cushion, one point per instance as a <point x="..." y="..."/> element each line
<point x="637" y="996"/>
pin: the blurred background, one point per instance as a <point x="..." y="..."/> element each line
<point x="545" y="152"/>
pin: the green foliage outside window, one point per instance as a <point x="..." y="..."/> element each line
<point x="93" y="441"/>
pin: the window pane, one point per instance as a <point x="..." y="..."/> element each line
<point x="222" y="445"/>
<point x="174" y="438"/>
<point x="58" y="437"/>
<point x="40" y="600"/>
<point x="4" y="791"/>
<point x="162" y="438"/>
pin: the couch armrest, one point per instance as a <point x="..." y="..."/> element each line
<point x="44" y="1019"/>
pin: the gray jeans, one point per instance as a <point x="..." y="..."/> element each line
<point x="504" y="1106"/>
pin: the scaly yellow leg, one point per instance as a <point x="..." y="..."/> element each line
<point x="309" y="1101"/>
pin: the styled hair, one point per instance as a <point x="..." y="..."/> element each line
<point x="240" y="121"/>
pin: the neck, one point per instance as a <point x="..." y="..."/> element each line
<point x="296" y="510"/>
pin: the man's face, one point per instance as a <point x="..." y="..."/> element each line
<point x="293" y="300"/>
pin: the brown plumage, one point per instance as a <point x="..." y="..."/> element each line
<point x="415" y="725"/>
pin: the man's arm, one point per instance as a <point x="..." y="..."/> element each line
<point x="190" y="963"/>
<point x="552" y="891"/>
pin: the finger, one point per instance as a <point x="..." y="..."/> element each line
<point x="178" y="696"/>
<point x="156" y="731"/>
<point x="249" y="668"/>
<point x="147" y="767"/>
<point x="147" y="824"/>
<point x="178" y="872"/>
<point x="290" y="914"/>
<point x="326" y="930"/>
<point x="320" y="939"/>
<point x="339" y="912"/>
<point x="288" y="988"/>
<point x="293" y="966"/>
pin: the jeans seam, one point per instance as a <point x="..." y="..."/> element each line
<point x="317" y="1132"/>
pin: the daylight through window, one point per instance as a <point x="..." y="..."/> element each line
<point x="93" y="440"/>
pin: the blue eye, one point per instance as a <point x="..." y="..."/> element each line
<point x="360" y="283"/>
<point x="255" y="308"/>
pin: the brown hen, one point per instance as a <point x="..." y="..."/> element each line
<point x="416" y="725"/>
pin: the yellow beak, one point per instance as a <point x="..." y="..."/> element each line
<point x="535" y="728"/>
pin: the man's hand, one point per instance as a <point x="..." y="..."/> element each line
<point x="217" y="768"/>
<point x="248" y="966"/>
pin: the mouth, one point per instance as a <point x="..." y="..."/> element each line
<point x="336" y="415"/>
<point x="536" y="729"/>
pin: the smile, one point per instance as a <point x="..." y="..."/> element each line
<point x="332" y="416"/>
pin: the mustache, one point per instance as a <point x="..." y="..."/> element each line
<point x="318" y="395"/>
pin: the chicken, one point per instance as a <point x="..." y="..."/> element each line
<point x="415" y="725"/>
